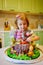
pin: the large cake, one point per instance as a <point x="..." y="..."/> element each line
<point x="23" y="50"/>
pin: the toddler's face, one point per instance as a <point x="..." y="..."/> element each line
<point x="22" y="25"/>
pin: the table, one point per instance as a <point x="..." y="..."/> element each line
<point x="3" y="61"/>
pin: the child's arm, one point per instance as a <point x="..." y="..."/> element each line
<point x="28" y="34"/>
<point x="33" y="38"/>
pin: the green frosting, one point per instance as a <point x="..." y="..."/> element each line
<point x="36" y="54"/>
<point x="23" y="56"/>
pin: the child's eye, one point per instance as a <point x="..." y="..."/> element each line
<point x="20" y="24"/>
<point x="24" y="23"/>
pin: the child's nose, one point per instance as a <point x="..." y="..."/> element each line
<point x="22" y="26"/>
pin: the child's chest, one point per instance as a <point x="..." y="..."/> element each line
<point x="22" y="34"/>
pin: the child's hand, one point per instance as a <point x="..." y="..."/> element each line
<point x="29" y="39"/>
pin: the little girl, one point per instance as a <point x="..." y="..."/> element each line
<point x="23" y="34"/>
<point x="22" y="31"/>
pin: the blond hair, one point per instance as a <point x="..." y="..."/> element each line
<point x="21" y="16"/>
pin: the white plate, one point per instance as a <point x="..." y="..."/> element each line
<point x="40" y="58"/>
